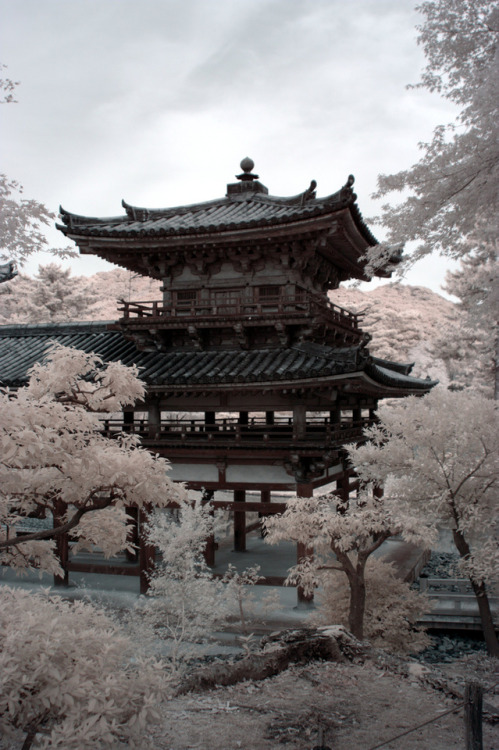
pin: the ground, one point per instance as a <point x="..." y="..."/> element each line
<point x="358" y="707"/>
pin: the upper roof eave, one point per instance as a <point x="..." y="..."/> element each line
<point x="234" y="212"/>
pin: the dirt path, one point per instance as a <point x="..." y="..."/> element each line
<point x="358" y="706"/>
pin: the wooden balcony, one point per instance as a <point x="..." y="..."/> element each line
<point x="228" y="432"/>
<point x="300" y="308"/>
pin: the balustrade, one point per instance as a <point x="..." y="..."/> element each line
<point x="300" y="304"/>
<point x="231" y="431"/>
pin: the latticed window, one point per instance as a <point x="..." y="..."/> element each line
<point x="186" y="297"/>
<point x="268" y="293"/>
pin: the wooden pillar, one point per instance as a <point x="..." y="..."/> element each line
<point x="299" y="421"/>
<point x="356" y="414"/>
<point x="342" y="487"/>
<point x="335" y="415"/>
<point x="128" y="421"/>
<point x="209" y="551"/>
<point x="302" y="550"/>
<point x="154" y="419"/>
<point x="239" y="523"/>
<point x="61" y="543"/>
<point x="243" y="417"/>
<point x="147" y="552"/>
<point x="209" y="421"/>
<point x="269" y="417"/>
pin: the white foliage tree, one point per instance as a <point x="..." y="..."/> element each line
<point x="343" y="536"/>
<point x="187" y="602"/>
<point x="452" y="193"/>
<point x="437" y="459"/>
<point x="53" y="451"/>
<point x="476" y="340"/>
<point x="392" y="607"/>
<point x="70" y="677"/>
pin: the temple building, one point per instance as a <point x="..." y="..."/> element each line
<point x="255" y="378"/>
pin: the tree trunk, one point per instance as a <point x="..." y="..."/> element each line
<point x="480" y="591"/>
<point x="357" y="603"/>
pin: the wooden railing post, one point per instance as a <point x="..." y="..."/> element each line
<point x="473" y="700"/>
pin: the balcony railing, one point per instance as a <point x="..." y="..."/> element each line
<point x="301" y="305"/>
<point x="230" y="432"/>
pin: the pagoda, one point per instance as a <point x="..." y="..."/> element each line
<point x="256" y="379"/>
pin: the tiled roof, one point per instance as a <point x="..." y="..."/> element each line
<point x="249" y="209"/>
<point x="21" y="346"/>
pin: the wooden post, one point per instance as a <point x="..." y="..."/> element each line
<point x="147" y="552"/>
<point x="302" y="550"/>
<point x="335" y="416"/>
<point x="209" y="551"/>
<point x="154" y="419"/>
<point x="61" y="543"/>
<point x="243" y="417"/>
<point x="128" y="421"/>
<point x="342" y="484"/>
<point x="239" y="523"/>
<point x="473" y="698"/>
<point x="299" y="423"/>
<point x="269" y="417"/>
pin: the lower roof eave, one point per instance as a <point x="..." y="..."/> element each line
<point x="418" y="388"/>
<point x="362" y="383"/>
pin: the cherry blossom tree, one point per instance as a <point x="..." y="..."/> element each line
<point x="451" y="194"/>
<point x="52" y="451"/>
<point x="437" y="459"/>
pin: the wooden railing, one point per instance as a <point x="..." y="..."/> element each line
<point x="235" y="307"/>
<point x="231" y="431"/>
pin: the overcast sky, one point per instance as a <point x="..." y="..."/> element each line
<point x="158" y="101"/>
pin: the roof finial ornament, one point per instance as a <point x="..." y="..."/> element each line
<point x="247" y="165"/>
<point x="346" y="193"/>
<point x="309" y="193"/>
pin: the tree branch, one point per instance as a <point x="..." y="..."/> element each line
<point x="58" y="530"/>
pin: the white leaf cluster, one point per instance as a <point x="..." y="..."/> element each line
<point x="187" y="602"/>
<point x="53" y="451"/>
<point x="392" y="607"/>
<point x="437" y="458"/>
<point x="324" y="523"/>
<point x="453" y="190"/>
<point x="69" y="674"/>
<point x="73" y="376"/>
